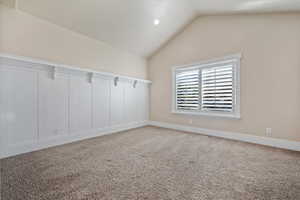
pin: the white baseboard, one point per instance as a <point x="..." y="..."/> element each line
<point x="273" y="142"/>
<point x="67" y="138"/>
<point x="60" y="140"/>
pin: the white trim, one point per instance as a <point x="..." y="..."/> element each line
<point x="236" y="59"/>
<point x="67" y="138"/>
<point x="52" y="142"/>
<point x="273" y="142"/>
<point x="215" y="60"/>
<point x="208" y="114"/>
<point x="67" y="67"/>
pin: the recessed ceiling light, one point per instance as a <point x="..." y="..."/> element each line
<point x="156" y="22"/>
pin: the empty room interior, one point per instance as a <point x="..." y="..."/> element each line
<point x="150" y="100"/>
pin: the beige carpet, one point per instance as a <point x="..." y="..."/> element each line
<point x="154" y="164"/>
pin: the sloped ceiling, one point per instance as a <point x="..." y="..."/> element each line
<point x="128" y="24"/>
<point x="245" y="6"/>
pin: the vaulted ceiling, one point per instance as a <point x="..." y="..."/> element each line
<point x="129" y="24"/>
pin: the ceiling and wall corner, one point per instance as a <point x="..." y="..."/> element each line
<point x="212" y="7"/>
<point x="129" y="25"/>
<point x="22" y="34"/>
<point x="123" y="24"/>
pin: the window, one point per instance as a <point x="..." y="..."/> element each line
<point x="208" y="88"/>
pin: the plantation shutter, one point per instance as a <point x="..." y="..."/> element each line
<point x="187" y="90"/>
<point x="211" y="88"/>
<point x="217" y="88"/>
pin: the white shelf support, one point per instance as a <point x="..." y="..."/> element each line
<point x="134" y="83"/>
<point x="91" y="77"/>
<point x="54" y="71"/>
<point x="116" y="80"/>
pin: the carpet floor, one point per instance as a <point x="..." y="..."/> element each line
<point x="153" y="164"/>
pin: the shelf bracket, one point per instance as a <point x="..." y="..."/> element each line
<point x="134" y="83"/>
<point x="116" y="80"/>
<point x="54" y="71"/>
<point x="91" y="77"/>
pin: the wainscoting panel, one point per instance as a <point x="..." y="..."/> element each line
<point x="117" y="103"/>
<point x="143" y="100"/>
<point x="130" y="103"/>
<point x="19" y="103"/>
<point x="53" y="105"/>
<point x="45" y="104"/>
<point x="80" y="104"/>
<point x="101" y="102"/>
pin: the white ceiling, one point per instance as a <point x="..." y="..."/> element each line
<point x="245" y="6"/>
<point x="128" y="24"/>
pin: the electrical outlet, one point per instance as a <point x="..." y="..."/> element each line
<point x="190" y="121"/>
<point x="268" y="131"/>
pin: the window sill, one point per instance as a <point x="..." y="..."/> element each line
<point x="217" y="115"/>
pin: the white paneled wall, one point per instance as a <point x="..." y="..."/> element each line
<point x="53" y="94"/>
<point x="43" y="106"/>
<point x="101" y="102"/>
<point x="117" y="103"/>
<point x="80" y="104"/>
<point x="19" y="104"/>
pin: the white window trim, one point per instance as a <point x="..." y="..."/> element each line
<point x="234" y="115"/>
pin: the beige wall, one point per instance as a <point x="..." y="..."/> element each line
<point x="9" y="3"/>
<point x="25" y="35"/>
<point x="270" y="71"/>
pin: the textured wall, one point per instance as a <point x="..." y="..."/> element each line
<point x="270" y="70"/>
